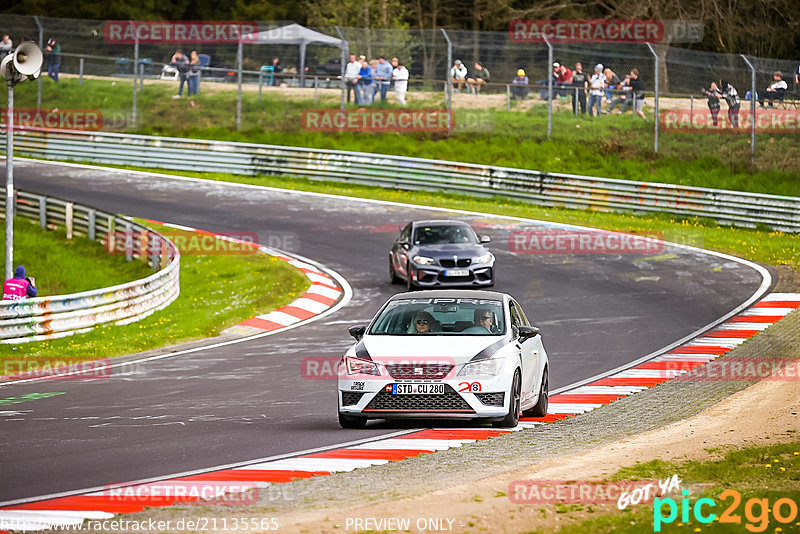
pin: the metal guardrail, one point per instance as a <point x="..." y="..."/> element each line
<point x="43" y="318"/>
<point x="549" y="189"/>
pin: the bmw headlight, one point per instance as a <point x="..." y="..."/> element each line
<point x="423" y="260"/>
<point x="482" y="367"/>
<point x="357" y="366"/>
<point x="486" y="258"/>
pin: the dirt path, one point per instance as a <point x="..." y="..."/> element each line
<point x="759" y="415"/>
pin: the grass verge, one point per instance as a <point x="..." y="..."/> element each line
<point x="217" y="291"/>
<point x="608" y="146"/>
<point x="761" y="475"/>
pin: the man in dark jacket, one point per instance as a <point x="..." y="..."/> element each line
<point x="52" y="53"/>
<point x="20" y="287"/>
<point x="581" y="82"/>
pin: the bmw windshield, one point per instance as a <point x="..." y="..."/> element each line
<point x="444" y="234"/>
<point x="441" y="316"/>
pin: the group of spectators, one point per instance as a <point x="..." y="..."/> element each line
<point x="368" y="79"/>
<point x="629" y="91"/>
<point x="188" y="71"/>
<point x="51" y="52"/>
<point x="475" y="81"/>
<point x="602" y="84"/>
<point x="775" y="91"/>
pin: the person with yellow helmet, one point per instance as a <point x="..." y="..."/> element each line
<point x="520" y="90"/>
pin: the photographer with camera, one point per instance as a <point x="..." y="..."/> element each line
<point x="180" y="62"/>
<point x="20" y="287"/>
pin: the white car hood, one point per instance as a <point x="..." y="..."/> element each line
<point x="459" y="349"/>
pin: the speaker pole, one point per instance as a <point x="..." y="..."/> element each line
<point x="10" y="182"/>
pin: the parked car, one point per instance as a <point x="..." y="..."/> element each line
<point x="333" y="67"/>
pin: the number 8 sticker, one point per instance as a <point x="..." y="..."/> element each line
<point x="466" y="387"/>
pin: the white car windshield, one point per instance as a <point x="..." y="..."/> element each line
<point x="441" y="316"/>
<point x="444" y="234"/>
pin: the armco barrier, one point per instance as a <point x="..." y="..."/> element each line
<point x="63" y="315"/>
<point x="550" y="189"/>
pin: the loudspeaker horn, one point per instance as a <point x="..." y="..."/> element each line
<point x="28" y="59"/>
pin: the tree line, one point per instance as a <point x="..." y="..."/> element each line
<point x="766" y="28"/>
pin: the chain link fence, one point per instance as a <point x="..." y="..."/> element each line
<point x="316" y="67"/>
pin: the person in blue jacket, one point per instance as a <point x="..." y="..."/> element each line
<point x="365" y="91"/>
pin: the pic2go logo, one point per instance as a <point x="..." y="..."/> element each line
<point x="756" y="511"/>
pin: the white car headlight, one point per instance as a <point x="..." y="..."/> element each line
<point x="482" y="367"/>
<point x="423" y="260"/>
<point x="357" y="366"/>
<point x="486" y="258"/>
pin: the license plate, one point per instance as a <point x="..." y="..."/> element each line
<point x="457" y="272"/>
<point x="417" y="389"/>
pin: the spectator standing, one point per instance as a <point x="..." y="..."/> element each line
<point x="797" y="76"/>
<point x="612" y="82"/>
<point x="458" y="76"/>
<point x="400" y="77"/>
<point x="713" y="93"/>
<point x="351" y="77"/>
<point x="383" y="76"/>
<point x="20" y="286"/>
<point x="520" y="83"/>
<point x="181" y="63"/>
<point x="52" y="54"/>
<point x="637" y="87"/>
<point x="563" y="79"/>
<point x="277" y="68"/>
<point x="193" y="76"/>
<point x="581" y="82"/>
<point x="776" y="91"/>
<point x="480" y="76"/>
<point x="6" y="46"/>
<point x="365" y="90"/>
<point x="732" y="99"/>
<point x="596" y="83"/>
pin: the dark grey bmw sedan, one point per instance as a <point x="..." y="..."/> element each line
<point x="441" y="253"/>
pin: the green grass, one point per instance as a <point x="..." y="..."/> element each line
<point x="754" y="472"/>
<point x="761" y="245"/>
<point x="62" y="266"/>
<point x="609" y="146"/>
<point x="217" y="291"/>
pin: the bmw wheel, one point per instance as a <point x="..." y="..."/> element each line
<point x="392" y="273"/>
<point x="512" y="419"/>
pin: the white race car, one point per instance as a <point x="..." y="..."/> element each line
<point x="458" y="354"/>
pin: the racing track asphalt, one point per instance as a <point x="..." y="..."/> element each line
<point x="249" y="400"/>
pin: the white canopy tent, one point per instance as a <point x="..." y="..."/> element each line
<point x="297" y="35"/>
